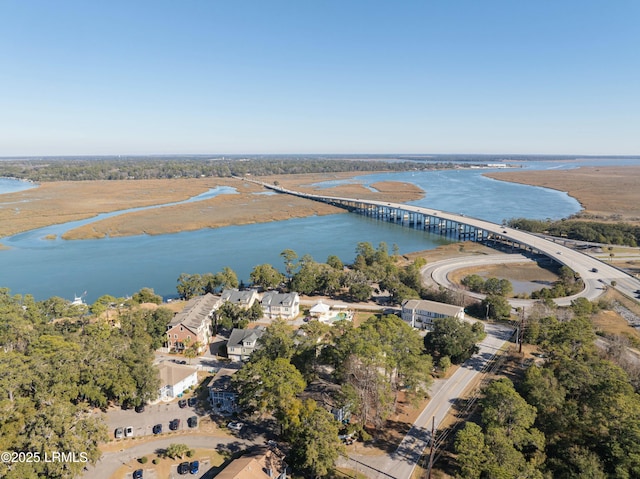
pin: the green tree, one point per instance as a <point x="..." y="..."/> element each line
<point x="497" y="306"/>
<point x="276" y="342"/>
<point x="471" y="450"/>
<point x="335" y="262"/>
<point x="146" y="295"/>
<point x="289" y="256"/>
<point x="190" y="285"/>
<point x="266" y="276"/>
<point x="175" y="451"/>
<point x="453" y="338"/>
<point x="315" y="446"/>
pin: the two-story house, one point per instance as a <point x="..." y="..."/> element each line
<point x="244" y="299"/>
<point x="222" y="396"/>
<point x="174" y="380"/>
<point x="420" y="313"/>
<point x="242" y="342"/>
<point x="280" y="305"/>
<point x="193" y="324"/>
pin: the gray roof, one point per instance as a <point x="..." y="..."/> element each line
<point x="222" y="380"/>
<point x="432" y="306"/>
<point x="240" y="335"/>
<point x="272" y="298"/>
<point x="237" y="297"/>
<point x="195" y="311"/>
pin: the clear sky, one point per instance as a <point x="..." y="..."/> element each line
<point x="323" y="76"/>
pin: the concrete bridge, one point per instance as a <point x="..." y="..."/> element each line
<point x="595" y="273"/>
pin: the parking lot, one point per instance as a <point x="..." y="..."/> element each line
<point x="143" y="422"/>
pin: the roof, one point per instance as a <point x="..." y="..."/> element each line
<point x="272" y="298"/>
<point x="222" y="380"/>
<point x="323" y="392"/>
<point x="320" y="308"/>
<point x="238" y="336"/>
<point x="432" y="306"/>
<point x="254" y="465"/>
<point x="196" y="311"/>
<point x="238" y="297"/>
<point x="170" y="374"/>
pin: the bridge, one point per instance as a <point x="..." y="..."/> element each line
<point x="594" y="273"/>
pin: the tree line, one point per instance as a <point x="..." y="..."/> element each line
<point x="136" y="168"/>
<point x="592" y="231"/>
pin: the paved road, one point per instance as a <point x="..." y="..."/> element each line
<point x="438" y="273"/>
<point x="402" y="462"/>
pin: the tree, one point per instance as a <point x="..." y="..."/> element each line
<point x="266" y="276"/>
<point x="335" y="262"/>
<point x="227" y="278"/>
<point x="289" y="256"/>
<point x="266" y="386"/>
<point x="190" y="285"/>
<point x="175" y="451"/>
<point x="276" y="342"/>
<point x="146" y="295"/>
<point x="471" y="450"/>
<point x="315" y="445"/>
<point x="497" y="306"/>
<point x="453" y="338"/>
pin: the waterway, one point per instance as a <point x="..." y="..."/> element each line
<point x="122" y="266"/>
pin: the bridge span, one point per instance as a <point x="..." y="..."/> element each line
<point x="595" y="273"/>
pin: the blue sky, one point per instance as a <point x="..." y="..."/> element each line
<point x="324" y="76"/>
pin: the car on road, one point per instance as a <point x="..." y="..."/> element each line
<point x="137" y="474"/>
<point x="174" y="424"/>
<point x="192" y="401"/>
<point x="235" y="426"/>
<point x="157" y="429"/>
<point x="192" y="421"/>
<point x="183" y="468"/>
<point x="128" y="432"/>
<point x="594" y="270"/>
<point x="194" y="467"/>
<point x="182" y="403"/>
<point x="119" y="433"/>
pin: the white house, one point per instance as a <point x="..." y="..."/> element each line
<point x="174" y="380"/>
<point x="420" y="313"/>
<point x="329" y="314"/>
<point x="244" y="299"/>
<point x="280" y="305"/>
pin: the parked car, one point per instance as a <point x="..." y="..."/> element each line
<point x="183" y="468"/>
<point x="119" y="433"/>
<point x="182" y="403"/>
<point x="194" y="467"/>
<point x="192" y="401"/>
<point x="128" y="432"/>
<point x="174" y="425"/>
<point x="137" y="474"/>
<point x="157" y="429"/>
<point x="236" y="426"/>
<point x="140" y="408"/>
<point x="192" y="421"/>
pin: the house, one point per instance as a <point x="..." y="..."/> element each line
<point x="280" y="305"/>
<point x="420" y="313"/>
<point x="221" y="395"/>
<point x="193" y="324"/>
<point x="260" y="462"/>
<point x="244" y="299"/>
<point x="242" y="342"/>
<point x="325" y="394"/>
<point x="174" y="380"/>
<point x="330" y="314"/>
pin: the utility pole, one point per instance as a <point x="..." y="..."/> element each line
<point x="521" y="332"/>
<point x="433" y="441"/>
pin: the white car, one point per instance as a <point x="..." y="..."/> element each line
<point x="236" y="426"/>
<point x="128" y="432"/>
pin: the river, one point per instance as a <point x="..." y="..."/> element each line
<point x="122" y="266"/>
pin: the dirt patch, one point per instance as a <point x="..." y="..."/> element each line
<point x="455" y="250"/>
<point x="528" y="272"/>
<point x="606" y="193"/>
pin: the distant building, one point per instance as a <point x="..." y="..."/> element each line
<point x="174" y="380"/>
<point x="280" y="305"/>
<point x="325" y="394"/>
<point x="222" y="396"/>
<point x="193" y="324"/>
<point x="242" y="342"/>
<point x="420" y="313"/>
<point x="330" y="314"/>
